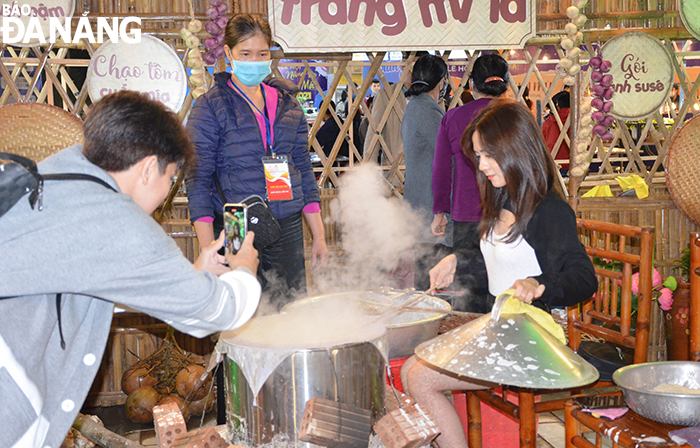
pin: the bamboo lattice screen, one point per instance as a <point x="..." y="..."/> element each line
<point x="54" y="74"/>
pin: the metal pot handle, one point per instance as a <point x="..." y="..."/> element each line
<point x="499" y="304"/>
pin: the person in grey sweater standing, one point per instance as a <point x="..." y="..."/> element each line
<point x="419" y="129"/>
<point x="97" y="246"/>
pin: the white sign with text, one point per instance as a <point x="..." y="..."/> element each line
<point x="150" y="66"/>
<point x="386" y="25"/>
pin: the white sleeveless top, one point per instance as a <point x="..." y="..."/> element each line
<point x="508" y="262"/>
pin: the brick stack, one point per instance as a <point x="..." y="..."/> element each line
<point x="203" y="438"/>
<point x="331" y="424"/>
<point x="169" y="424"/>
<point x="171" y="431"/>
<point x="406" y="427"/>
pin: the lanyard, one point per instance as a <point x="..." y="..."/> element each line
<point x="267" y="120"/>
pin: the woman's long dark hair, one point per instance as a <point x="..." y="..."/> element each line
<point x="487" y="67"/>
<point x="427" y="73"/>
<point x="509" y="134"/>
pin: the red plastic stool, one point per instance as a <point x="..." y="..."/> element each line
<point x="395" y="365"/>
<point x="498" y="430"/>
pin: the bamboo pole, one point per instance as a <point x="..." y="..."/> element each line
<point x="694" y="296"/>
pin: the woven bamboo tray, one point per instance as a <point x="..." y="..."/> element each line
<point x="37" y="130"/>
<point x="683" y="169"/>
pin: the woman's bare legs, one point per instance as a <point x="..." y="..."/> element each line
<point x="428" y="386"/>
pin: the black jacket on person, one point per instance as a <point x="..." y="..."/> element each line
<point x="567" y="271"/>
<point x="327" y="135"/>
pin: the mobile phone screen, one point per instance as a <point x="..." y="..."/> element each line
<point x="235" y="226"/>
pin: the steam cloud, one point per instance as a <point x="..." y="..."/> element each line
<point x="378" y="231"/>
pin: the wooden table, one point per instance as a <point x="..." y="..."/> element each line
<point x="629" y="431"/>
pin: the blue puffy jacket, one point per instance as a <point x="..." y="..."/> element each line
<point x="226" y="134"/>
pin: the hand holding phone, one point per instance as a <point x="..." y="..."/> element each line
<point x="235" y="226"/>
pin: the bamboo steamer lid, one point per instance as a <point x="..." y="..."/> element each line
<point x="37" y="130"/>
<point x="690" y="14"/>
<point x="642" y="72"/>
<point x="683" y="169"/>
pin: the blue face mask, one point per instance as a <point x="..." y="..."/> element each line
<point x="251" y="73"/>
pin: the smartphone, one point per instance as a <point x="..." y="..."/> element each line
<point x="235" y="226"/>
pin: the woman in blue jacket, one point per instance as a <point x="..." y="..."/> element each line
<point x="244" y="129"/>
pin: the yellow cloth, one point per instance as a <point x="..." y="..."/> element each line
<point x="543" y="319"/>
<point x="636" y="182"/>
<point x="599" y="191"/>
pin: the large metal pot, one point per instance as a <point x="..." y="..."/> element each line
<point x="267" y="388"/>
<point x="406" y="329"/>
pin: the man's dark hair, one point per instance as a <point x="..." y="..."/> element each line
<point x="125" y="127"/>
<point x="562" y="100"/>
<point x="331" y="106"/>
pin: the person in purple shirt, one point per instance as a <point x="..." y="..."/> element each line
<point x="456" y="192"/>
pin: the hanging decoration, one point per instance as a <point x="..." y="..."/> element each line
<point x="601" y="87"/>
<point x="568" y="66"/>
<point x="195" y="62"/>
<point x="567" y="69"/>
<point x="217" y="28"/>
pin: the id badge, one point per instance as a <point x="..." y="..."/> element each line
<point x="277" y="180"/>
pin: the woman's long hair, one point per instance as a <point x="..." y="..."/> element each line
<point x="509" y="134"/>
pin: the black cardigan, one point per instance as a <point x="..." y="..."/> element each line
<point x="567" y="271"/>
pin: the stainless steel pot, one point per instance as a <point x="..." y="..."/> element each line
<point x="406" y="329"/>
<point x="638" y="381"/>
<point x="353" y="374"/>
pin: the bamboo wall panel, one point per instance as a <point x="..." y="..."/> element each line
<point x="658" y="210"/>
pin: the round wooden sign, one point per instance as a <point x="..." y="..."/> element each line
<point x="150" y="66"/>
<point x="683" y="169"/>
<point x="690" y="14"/>
<point x="34" y="16"/>
<point x="642" y="73"/>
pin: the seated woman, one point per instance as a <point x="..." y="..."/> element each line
<point x="528" y="238"/>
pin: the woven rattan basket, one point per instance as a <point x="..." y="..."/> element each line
<point x="683" y="169"/>
<point x="37" y="130"/>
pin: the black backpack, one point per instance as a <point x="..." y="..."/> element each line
<point x="19" y="176"/>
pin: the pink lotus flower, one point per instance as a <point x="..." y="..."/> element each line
<point x="656" y="278"/>
<point x="635" y="283"/>
<point x="666" y="299"/>
<point x="682" y="315"/>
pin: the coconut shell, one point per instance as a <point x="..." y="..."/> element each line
<point x="139" y="404"/>
<point x="179" y="401"/>
<point x="199" y="407"/>
<point x="136" y="377"/>
<point x="189" y="385"/>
